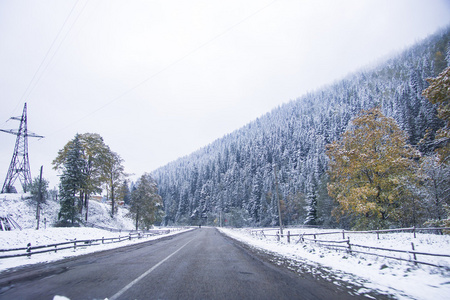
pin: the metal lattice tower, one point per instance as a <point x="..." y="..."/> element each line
<point x="20" y="164"/>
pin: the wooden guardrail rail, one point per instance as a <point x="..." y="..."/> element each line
<point x="31" y="250"/>
<point x="345" y="244"/>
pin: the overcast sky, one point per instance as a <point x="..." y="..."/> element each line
<point x="159" y="79"/>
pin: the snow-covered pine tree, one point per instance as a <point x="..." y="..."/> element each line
<point x="72" y="181"/>
<point x="311" y="199"/>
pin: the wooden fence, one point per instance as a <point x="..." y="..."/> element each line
<point x="344" y="244"/>
<point x="31" y="250"/>
<point x="155" y="231"/>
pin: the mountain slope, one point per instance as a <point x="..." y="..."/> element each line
<point x="22" y="208"/>
<point x="232" y="180"/>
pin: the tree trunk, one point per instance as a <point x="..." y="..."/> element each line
<point x="137" y="219"/>
<point x="39" y="200"/>
<point x="81" y="202"/>
<point x="86" y="205"/>
<point x="74" y="199"/>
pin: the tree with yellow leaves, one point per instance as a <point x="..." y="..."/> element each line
<point x="439" y="93"/>
<point x="371" y="170"/>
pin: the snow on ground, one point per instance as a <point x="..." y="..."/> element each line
<point x="23" y="211"/>
<point x="402" y="279"/>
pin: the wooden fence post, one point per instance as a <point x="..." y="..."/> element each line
<point x="75" y="244"/>
<point x="289" y="237"/>
<point x="349" y="246"/>
<point x="278" y="236"/>
<point x="343" y="234"/>
<point x="378" y="235"/>
<point x="414" y="231"/>
<point x="29" y="250"/>
<point x="414" y="255"/>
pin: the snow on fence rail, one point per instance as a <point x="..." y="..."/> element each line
<point x="30" y="250"/>
<point x="345" y="244"/>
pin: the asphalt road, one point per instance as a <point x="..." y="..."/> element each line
<point x="200" y="264"/>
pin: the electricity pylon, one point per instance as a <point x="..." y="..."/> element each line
<point x="20" y="165"/>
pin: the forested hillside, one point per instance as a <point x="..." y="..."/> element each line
<point x="233" y="179"/>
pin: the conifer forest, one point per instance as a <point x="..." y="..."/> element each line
<point x="280" y="159"/>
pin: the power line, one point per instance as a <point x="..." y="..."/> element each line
<point x="175" y="62"/>
<point x="59" y="45"/>
<point x="30" y="87"/>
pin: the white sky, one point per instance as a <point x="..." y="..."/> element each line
<point x="158" y="79"/>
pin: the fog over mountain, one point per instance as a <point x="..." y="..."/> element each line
<point x="233" y="180"/>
